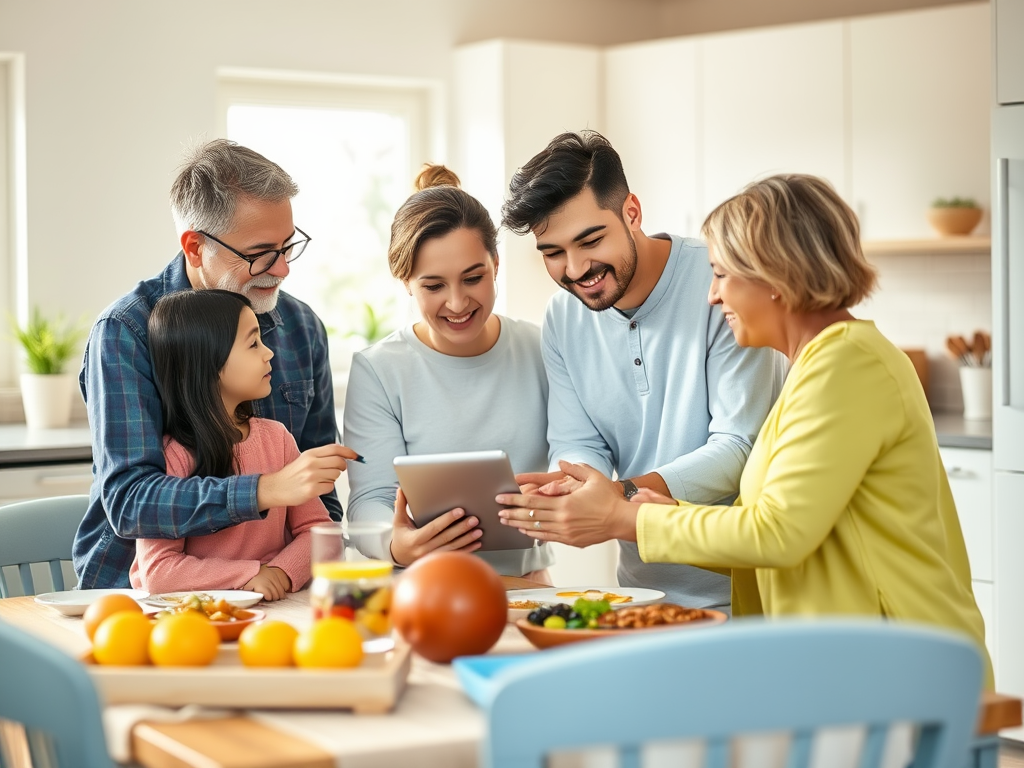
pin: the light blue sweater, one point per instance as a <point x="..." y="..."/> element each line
<point x="405" y="398"/>
<point x="666" y="390"/>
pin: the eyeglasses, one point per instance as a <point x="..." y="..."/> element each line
<point x="264" y="260"/>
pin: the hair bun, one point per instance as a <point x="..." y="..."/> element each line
<point x="435" y="176"/>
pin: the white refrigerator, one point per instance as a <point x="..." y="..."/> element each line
<point x="1008" y="344"/>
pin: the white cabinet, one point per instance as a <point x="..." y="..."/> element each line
<point x="919" y="115"/>
<point x="772" y="101"/>
<point x="511" y="99"/>
<point x="970" y="479"/>
<point x="652" y="123"/>
<point x="37" y="482"/>
<point x="1009" y="586"/>
<point x="1009" y="41"/>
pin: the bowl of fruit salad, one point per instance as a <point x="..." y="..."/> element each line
<point x="553" y="625"/>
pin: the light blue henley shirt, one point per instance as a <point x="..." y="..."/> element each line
<point x="666" y="390"/>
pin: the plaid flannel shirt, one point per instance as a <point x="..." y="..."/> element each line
<point x="132" y="496"/>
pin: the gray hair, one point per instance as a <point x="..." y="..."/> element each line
<point x="213" y="177"/>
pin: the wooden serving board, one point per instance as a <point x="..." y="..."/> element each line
<point x="371" y="688"/>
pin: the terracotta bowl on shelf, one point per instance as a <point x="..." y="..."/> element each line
<point x="950" y="222"/>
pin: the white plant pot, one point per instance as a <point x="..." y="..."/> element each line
<point x="47" y="399"/>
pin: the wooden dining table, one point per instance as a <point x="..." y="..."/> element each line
<point x="432" y="718"/>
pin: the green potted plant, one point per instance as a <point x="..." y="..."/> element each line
<point x="954" y="215"/>
<point x="46" y="390"/>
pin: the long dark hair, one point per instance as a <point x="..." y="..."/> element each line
<point x="191" y="334"/>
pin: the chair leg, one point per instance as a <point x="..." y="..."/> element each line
<point x="984" y="752"/>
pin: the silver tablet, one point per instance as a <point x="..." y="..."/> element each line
<point x="438" y="482"/>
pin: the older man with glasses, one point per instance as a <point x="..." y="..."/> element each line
<point x="233" y="214"/>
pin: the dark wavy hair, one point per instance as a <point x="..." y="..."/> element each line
<point x="568" y="165"/>
<point x="191" y="334"/>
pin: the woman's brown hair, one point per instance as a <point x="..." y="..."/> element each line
<point x="436" y="209"/>
<point x="794" y="233"/>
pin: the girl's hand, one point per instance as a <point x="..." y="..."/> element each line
<point x="271" y="582"/>
<point x="591" y="512"/>
<point x="311" y="475"/>
<point x="409" y="543"/>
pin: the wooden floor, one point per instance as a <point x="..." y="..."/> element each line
<point x="1011" y="754"/>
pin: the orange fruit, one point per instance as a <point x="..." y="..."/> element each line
<point x="184" y="640"/>
<point x="331" y="642"/>
<point x="267" y="644"/>
<point x="123" y="639"/>
<point x="107" y="605"/>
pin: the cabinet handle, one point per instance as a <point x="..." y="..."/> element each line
<point x="54" y="480"/>
<point x="959" y="473"/>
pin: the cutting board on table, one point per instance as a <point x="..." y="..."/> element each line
<point x="371" y="688"/>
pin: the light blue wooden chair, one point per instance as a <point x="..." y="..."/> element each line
<point x="51" y="695"/>
<point x="39" y="531"/>
<point x="796" y="677"/>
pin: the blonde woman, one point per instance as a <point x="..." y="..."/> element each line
<point x="460" y="379"/>
<point x="844" y="505"/>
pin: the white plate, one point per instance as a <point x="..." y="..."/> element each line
<point x="237" y="597"/>
<point x="73" y="602"/>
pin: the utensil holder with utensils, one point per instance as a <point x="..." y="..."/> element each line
<point x="975" y="361"/>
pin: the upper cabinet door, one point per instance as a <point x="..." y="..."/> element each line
<point x="771" y="102"/>
<point x="1009" y="40"/>
<point x="650" y="101"/>
<point x="920" y="115"/>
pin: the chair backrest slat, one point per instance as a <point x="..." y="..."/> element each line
<point x="39" y="531"/>
<point x="874" y="746"/>
<point x="57" y="575"/>
<point x="792" y="676"/>
<point x="717" y="755"/>
<point x="800" y="748"/>
<point x="28" y="586"/>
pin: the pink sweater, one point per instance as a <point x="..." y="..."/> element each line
<point x="229" y="558"/>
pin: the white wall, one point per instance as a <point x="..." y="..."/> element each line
<point x="115" y="88"/>
<point x="893" y="109"/>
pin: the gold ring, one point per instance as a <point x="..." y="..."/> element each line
<point x="536" y="524"/>
<point x="532" y="511"/>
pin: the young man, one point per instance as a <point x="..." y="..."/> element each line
<point x="232" y="211"/>
<point x="645" y="376"/>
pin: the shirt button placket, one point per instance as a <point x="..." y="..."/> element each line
<point x="639" y="373"/>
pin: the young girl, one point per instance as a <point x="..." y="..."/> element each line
<point x="210" y="363"/>
<point x="461" y="379"/>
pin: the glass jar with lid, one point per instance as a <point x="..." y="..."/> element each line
<point x="359" y="591"/>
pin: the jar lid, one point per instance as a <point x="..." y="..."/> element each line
<point x="361" y="569"/>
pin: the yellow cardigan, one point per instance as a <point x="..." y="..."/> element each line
<point x="844" y="505"/>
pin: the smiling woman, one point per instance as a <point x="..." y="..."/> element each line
<point x="462" y="379"/>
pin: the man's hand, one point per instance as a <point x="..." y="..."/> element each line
<point x="271" y="582"/>
<point x="447" y="532"/>
<point x="312" y="474"/>
<point x="546" y="483"/>
<point x="594" y="511"/>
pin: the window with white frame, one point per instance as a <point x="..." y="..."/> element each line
<point x="353" y="148"/>
<point x="11" y="215"/>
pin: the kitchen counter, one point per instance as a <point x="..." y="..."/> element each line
<point x="19" y="445"/>
<point x="954" y="431"/>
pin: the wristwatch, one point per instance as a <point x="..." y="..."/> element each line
<point x="629" y="489"/>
